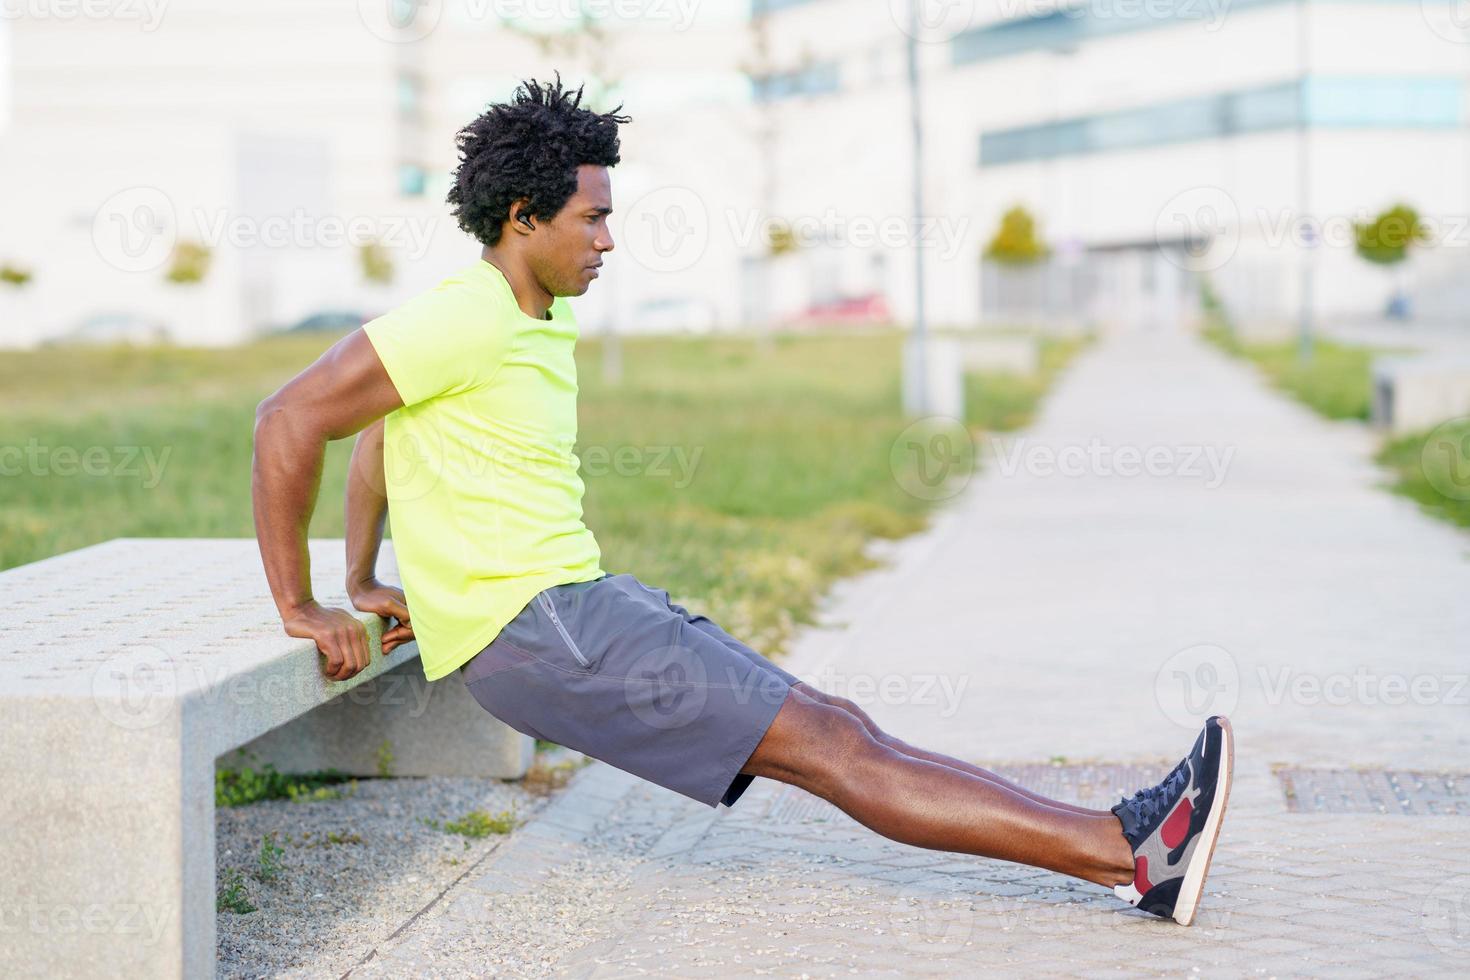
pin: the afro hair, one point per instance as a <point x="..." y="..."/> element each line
<point x="528" y="149"/>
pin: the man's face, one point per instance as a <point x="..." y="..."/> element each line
<point x="566" y="250"/>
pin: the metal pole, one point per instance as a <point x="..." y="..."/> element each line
<point x="1304" y="181"/>
<point x="915" y="114"/>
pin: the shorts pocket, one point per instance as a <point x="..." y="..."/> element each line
<point x="549" y="607"/>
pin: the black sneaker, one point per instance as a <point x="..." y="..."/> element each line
<point x="1173" y="827"/>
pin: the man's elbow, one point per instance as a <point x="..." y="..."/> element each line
<point x="269" y="415"/>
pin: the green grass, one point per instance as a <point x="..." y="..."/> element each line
<point x="477" y="823"/>
<point x="1336" y="382"/>
<point x="232" y="895"/>
<point x="1003" y="402"/>
<point x="1433" y="468"/>
<point x="246" y="785"/>
<point x="756" y="477"/>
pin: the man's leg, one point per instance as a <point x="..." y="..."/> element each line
<point x="829" y="752"/>
<point x="900" y="745"/>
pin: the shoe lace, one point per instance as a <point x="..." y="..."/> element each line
<point x="1147" y="804"/>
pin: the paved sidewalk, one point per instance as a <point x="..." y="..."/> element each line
<point x="1088" y="617"/>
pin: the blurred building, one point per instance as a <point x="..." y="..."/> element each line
<point x="1154" y="142"/>
<point x="766" y="176"/>
<point x="286" y="136"/>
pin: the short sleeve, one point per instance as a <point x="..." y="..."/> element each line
<point x="439" y="343"/>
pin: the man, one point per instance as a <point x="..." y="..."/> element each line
<point x="465" y="401"/>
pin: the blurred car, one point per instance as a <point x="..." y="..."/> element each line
<point x="857" y="310"/>
<point x="337" y="321"/>
<point x="113" y="328"/>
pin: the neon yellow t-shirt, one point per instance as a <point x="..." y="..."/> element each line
<point x="484" y="497"/>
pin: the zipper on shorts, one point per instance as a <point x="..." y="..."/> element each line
<point x="556" y="621"/>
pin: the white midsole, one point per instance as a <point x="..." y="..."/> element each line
<point x="1194" y="875"/>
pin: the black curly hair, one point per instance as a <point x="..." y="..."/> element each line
<point x="528" y="148"/>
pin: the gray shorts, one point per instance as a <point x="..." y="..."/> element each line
<point x="615" y="670"/>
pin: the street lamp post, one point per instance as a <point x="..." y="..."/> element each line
<point x="1304" y="181"/>
<point x="920" y="372"/>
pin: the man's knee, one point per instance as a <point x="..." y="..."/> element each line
<point x="811" y="743"/>
<point x="851" y="707"/>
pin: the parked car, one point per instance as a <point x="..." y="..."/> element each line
<point x="337" y="321"/>
<point x="854" y="310"/>
<point x="113" y="328"/>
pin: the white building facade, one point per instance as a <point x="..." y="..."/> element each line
<point x="1152" y="140"/>
<point x="766" y="177"/>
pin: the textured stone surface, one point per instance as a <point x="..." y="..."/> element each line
<point x="429" y="729"/>
<point x="125" y="669"/>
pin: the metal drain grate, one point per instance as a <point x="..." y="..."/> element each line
<point x="1097" y="785"/>
<point x="1407" y="792"/>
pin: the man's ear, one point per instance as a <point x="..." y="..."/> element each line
<point x="519" y="220"/>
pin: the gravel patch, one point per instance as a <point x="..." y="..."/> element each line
<point x="340" y="876"/>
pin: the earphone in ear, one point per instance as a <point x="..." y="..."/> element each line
<point x="523" y="219"/>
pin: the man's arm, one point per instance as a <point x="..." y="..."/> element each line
<point x="366" y="508"/>
<point x="343" y="391"/>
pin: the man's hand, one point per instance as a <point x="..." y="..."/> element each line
<point x="340" y="637"/>
<point x="387" y="601"/>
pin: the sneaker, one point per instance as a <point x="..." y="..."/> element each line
<point x="1172" y="827"/>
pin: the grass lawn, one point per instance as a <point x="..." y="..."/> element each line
<point x="1000" y="402"/>
<point x="742" y="482"/>
<point x="1434" y="469"/>
<point x="1336" y="382"/>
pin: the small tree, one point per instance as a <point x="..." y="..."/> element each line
<point x="781" y="239"/>
<point x="1387" y="241"/>
<point x="1015" y="241"/>
<point x="189" y="263"/>
<point x="14" y="275"/>
<point x="377" y="265"/>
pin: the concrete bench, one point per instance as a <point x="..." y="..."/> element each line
<point x="126" y="670"/>
<point x="1416" y="392"/>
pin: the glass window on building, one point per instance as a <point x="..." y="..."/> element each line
<point x="412" y="180"/>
